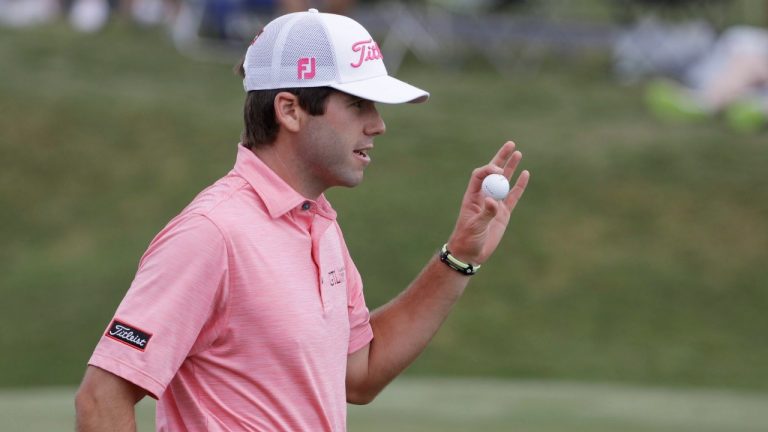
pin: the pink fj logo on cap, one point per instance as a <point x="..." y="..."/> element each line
<point x="306" y="68"/>
<point x="368" y="50"/>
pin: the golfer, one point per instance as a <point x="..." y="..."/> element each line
<point x="247" y="312"/>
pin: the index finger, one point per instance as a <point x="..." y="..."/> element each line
<point x="502" y="157"/>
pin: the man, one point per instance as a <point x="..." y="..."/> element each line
<point x="247" y="312"/>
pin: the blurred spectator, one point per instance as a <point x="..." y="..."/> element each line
<point x="216" y="15"/>
<point x="86" y="15"/>
<point x="652" y="47"/>
<point x="153" y="12"/>
<point x="228" y="19"/>
<point x="731" y="78"/>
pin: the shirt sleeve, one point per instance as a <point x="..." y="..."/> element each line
<point x="360" y="331"/>
<point x="174" y="307"/>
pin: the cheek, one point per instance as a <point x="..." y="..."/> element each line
<point x="324" y="146"/>
<point x="328" y="139"/>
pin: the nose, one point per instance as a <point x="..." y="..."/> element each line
<point x="376" y="125"/>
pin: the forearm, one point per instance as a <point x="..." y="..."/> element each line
<point x="95" y="416"/>
<point x="106" y="402"/>
<point x="403" y="327"/>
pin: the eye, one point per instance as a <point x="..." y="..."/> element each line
<point x="358" y="103"/>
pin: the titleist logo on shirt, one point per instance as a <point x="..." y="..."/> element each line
<point x="128" y="335"/>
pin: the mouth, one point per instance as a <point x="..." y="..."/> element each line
<point x="363" y="154"/>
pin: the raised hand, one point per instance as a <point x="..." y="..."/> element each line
<point x="483" y="220"/>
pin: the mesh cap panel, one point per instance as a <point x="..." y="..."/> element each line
<point x="307" y="39"/>
<point x="258" y="67"/>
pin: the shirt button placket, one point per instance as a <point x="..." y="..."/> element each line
<point x="307" y="214"/>
<point x="319" y="227"/>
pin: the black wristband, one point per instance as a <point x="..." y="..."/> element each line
<point x="464" y="268"/>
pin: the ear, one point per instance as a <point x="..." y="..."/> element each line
<point x="288" y="113"/>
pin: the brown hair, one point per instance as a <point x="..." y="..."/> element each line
<point x="261" y="126"/>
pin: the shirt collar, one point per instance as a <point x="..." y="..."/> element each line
<point x="277" y="195"/>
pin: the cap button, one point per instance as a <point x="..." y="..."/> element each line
<point x="312" y="10"/>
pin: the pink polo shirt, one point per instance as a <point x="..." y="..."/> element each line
<point x="243" y="311"/>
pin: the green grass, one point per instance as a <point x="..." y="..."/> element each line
<point x="448" y="405"/>
<point x="637" y="255"/>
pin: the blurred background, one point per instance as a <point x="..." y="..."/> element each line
<point x="629" y="294"/>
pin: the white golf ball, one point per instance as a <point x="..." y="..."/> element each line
<point x="496" y="186"/>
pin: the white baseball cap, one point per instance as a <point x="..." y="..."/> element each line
<point x="313" y="49"/>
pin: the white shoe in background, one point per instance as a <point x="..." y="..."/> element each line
<point x="89" y="16"/>
<point x="23" y="13"/>
<point x="148" y="12"/>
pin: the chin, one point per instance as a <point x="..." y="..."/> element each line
<point x="351" y="182"/>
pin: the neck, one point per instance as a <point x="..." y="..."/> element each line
<point x="274" y="158"/>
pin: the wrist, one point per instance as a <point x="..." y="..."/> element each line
<point x="461" y="253"/>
